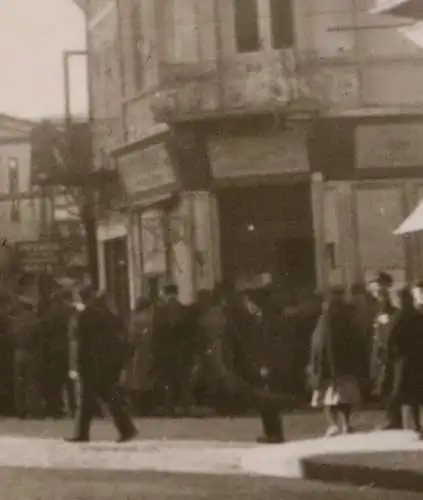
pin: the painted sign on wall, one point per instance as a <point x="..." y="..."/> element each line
<point x="278" y="153"/>
<point x="146" y="169"/>
<point x="390" y="145"/>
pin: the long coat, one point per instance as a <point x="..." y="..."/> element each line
<point x="406" y="357"/>
<point x="102" y="350"/>
<point x="380" y="368"/>
<point x="337" y="349"/>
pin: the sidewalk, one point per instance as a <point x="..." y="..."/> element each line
<point x="390" y="460"/>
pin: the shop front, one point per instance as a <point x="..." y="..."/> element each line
<point x="171" y="218"/>
<point x="376" y="186"/>
<point x="267" y="210"/>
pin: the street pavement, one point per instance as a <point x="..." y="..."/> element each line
<point x="189" y="458"/>
<point x="94" y="485"/>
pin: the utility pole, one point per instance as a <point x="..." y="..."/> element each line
<point x="84" y="179"/>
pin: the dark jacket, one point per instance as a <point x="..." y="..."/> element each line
<point x="406" y="357"/>
<point x="380" y="368"/>
<point x="102" y="347"/>
<point x="254" y="344"/>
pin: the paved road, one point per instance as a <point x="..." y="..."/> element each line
<point x="48" y="485"/>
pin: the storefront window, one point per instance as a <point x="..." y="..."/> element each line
<point x="379" y="212"/>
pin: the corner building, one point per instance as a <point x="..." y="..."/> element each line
<point x="255" y="141"/>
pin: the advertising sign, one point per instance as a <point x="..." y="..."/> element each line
<point x="38" y="256"/>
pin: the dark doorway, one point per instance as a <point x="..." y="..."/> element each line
<point x="117" y="278"/>
<point x="267" y="234"/>
<point x="295" y="266"/>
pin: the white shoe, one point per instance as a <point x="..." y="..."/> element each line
<point x="333" y="431"/>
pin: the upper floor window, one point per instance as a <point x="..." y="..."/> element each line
<point x="282" y="24"/>
<point x="13" y="167"/>
<point x="247" y="26"/>
<point x="137" y="45"/>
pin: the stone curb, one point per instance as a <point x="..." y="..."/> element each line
<point x="328" y="471"/>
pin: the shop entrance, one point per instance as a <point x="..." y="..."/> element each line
<point x="117" y="277"/>
<point x="267" y="237"/>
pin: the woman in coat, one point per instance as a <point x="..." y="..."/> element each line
<point x="337" y="362"/>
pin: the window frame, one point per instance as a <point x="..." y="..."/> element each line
<point x="247" y="31"/>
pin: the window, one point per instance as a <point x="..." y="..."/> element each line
<point x="282" y="24"/>
<point x="246" y="26"/>
<point x="13" y="176"/>
<point x="13" y="166"/>
<point x="137" y="45"/>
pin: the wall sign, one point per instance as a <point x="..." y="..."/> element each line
<point x="146" y="169"/>
<point x="277" y="153"/>
<point x="392" y="145"/>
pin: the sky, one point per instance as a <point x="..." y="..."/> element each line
<point x="33" y="36"/>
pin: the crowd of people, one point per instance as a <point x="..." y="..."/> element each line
<point x="228" y="352"/>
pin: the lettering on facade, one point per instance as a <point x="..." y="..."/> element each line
<point x="35" y="256"/>
<point x="146" y="169"/>
<point x="391" y="145"/>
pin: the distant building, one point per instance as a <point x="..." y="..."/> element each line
<point x="27" y="212"/>
<point x="257" y="140"/>
<point x="21" y="209"/>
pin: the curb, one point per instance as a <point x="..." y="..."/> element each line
<point x="327" y="471"/>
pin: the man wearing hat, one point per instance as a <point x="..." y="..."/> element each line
<point x="381" y="365"/>
<point x="170" y="346"/>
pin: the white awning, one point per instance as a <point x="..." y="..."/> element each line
<point x="413" y="223"/>
<point x="408" y="9"/>
<point x="414" y="33"/>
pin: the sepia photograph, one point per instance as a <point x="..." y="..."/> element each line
<point x="211" y="249"/>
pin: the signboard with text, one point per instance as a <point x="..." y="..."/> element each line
<point x="38" y="256"/>
<point x="146" y="169"/>
<point x="389" y="145"/>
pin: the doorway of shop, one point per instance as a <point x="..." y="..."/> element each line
<point x="267" y="237"/>
<point x="117" y="277"/>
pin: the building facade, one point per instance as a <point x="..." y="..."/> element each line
<point x="21" y="211"/>
<point x="256" y="141"/>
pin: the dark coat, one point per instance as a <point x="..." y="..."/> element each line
<point x="254" y="343"/>
<point x="336" y="349"/>
<point x="380" y="368"/>
<point x="406" y="357"/>
<point x="102" y="349"/>
<point x="169" y="330"/>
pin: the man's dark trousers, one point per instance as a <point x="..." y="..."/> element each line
<point x="108" y="391"/>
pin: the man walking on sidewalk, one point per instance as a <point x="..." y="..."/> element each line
<point x="101" y="354"/>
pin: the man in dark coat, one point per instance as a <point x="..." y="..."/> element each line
<point x="54" y="326"/>
<point x="254" y="359"/>
<point x="172" y="349"/>
<point x="101" y="357"/>
<point x="380" y="365"/>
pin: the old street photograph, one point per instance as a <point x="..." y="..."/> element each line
<point x="211" y="249"/>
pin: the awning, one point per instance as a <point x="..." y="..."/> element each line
<point x="414" y="33"/>
<point x="408" y="9"/>
<point x="413" y="223"/>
